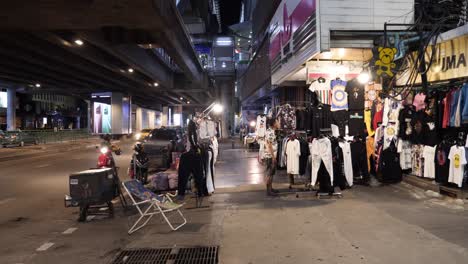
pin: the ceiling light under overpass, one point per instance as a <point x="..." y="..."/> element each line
<point x="188" y="102"/>
<point x="79" y="42"/>
<point x="38" y="85"/>
<point x="218" y="108"/>
<point x="181" y="98"/>
<point x="156" y="84"/>
<point x="130" y="70"/>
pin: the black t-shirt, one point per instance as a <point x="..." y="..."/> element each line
<point x="320" y="117"/>
<point x="442" y="162"/>
<point x="356" y="93"/>
<point x="340" y="119"/>
<point x="405" y="118"/>
<point x="356" y="124"/>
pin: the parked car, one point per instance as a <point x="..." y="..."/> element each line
<point x="143" y="134"/>
<point x="17" y="138"/>
<point x="160" y="144"/>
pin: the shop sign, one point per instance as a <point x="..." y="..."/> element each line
<point x="293" y="36"/>
<point x="449" y="62"/>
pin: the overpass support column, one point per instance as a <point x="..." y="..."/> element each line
<point x="11" y="108"/>
<point x="165" y="116"/>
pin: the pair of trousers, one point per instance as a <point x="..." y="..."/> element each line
<point x="270" y="170"/>
<point x="191" y="163"/>
<point x="359" y="160"/>
<point x="321" y="151"/>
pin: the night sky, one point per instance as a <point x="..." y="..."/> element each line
<point x="230" y="13"/>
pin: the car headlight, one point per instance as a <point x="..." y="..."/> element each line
<point x="138" y="136"/>
<point x="104" y="150"/>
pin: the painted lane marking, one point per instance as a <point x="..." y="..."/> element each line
<point x="7" y="200"/>
<point x="45" y="246"/>
<point x="70" y="230"/>
<point x="42" y="166"/>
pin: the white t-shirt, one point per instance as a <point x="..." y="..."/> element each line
<point x="390" y="134"/>
<point x="429" y="163"/>
<point x="261" y="126"/>
<point x="404" y="148"/>
<point x="457" y="165"/>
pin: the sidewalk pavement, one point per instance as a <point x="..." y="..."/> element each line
<point x="16" y="153"/>
<point x="368" y="225"/>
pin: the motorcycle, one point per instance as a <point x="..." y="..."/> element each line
<point x="139" y="164"/>
<point x="106" y="160"/>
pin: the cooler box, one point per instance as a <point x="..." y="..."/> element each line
<point x="93" y="186"/>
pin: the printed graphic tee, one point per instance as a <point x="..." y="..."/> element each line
<point x="442" y="163"/>
<point x="355" y="91"/>
<point x="457" y="165"/>
<point x="339" y="95"/>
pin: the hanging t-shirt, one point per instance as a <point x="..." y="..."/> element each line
<point x="323" y="91"/>
<point x="261" y="126"/>
<point x="355" y="91"/>
<point x="419" y="101"/>
<point x="457" y="165"/>
<point x="372" y="93"/>
<point x="454" y="106"/>
<point x="293" y="152"/>
<point x="442" y="162"/>
<point x="368" y="121"/>
<point x="390" y="135"/>
<point x="356" y="123"/>
<point x="447" y="108"/>
<point x="418" y="165"/>
<point x="339" y="95"/>
<point x="404" y="148"/>
<point x="429" y="164"/>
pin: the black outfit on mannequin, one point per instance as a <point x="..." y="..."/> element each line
<point x="192" y="133"/>
<point x="390" y="165"/>
<point x="192" y="163"/>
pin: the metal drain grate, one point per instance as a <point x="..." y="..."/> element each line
<point x="198" y="255"/>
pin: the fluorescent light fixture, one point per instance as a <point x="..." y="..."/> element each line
<point x="224" y="41"/>
<point x="79" y="42"/>
<point x="130" y="70"/>
<point x="38" y="85"/>
<point x="156" y="84"/>
<point x="104" y="96"/>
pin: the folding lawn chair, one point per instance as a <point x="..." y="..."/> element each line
<point x="157" y="204"/>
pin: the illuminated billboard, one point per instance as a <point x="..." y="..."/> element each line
<point x="3" y="100"/>
<point x="102" y="118"/>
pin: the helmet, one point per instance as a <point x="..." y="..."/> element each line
<point x="106" y="137"/>
<point x="138" y="147"/>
